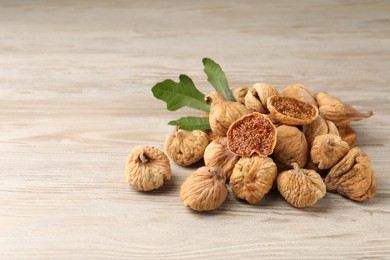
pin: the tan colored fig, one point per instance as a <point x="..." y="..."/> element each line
<point x="224" y="112"/>
<point x="186" y="147"/>
<point x="291" y="146"/>
<point x="327" y="150"/>
<point x="299" y="92"/>
<point x="253" y="133"/>
<point x="147" y="168"/>
<point x="314" y="129"/>
<point x="332" y="128"/>
<point x="301" y="187"/>
<point x="239" y="94"/>
<point x="347" y="134"/>
<point x="252" y="178"/>
<point x="333" y="109"/>
<point x="353" y="176"/>
<point x="218" y="155"/>
<point x="291" y="111"/>
<point x="204" y="190"/>
<point x="257" y="96"/>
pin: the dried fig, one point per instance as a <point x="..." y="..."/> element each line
<point x="353" y="176"/>
<point x="218" y="155"/>
<point x="252" y="178"/>
<point x="257" y="96"/>
<point x="291" y="146"/>
<point x="239" y="94"/>
<point x="186" y="147"/>
<point x="299" y="92"/>
<point x="347" y="134"/>
<point x="253" y="133"/>
<point x="333" y="109"/>
<point x="291" y="111"/>
<point x="327" y="150"/>
<point x="224" y="112"/>
<point x="147" y="168"/>
<point x="301" y="187"/>
<point x="204" y="190"/>
<point x="314" y="129"/>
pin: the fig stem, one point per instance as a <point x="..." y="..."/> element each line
<point x="143" y="157"/>
<point x="296" y="167"/>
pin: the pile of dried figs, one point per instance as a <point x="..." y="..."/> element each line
<point x="297" y="141"/>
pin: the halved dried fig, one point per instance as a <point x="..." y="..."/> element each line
<point x="291" y="111"/>
<point x="253" y="133"/>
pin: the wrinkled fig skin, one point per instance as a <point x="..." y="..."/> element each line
<point x="299" y="92"/>
<point x="252" y="178"/>
<point x="204" y="190"/>
<point x="224" y="112"/>
<point x="353" y="177"/>
<point x="291" y="146"/>
<point x="257" y="96"/>
<point x="327" y="150"/>
<point x="147" y="168"/>
<point x="301" y="187"/>
<point x="314" y="129"/>
<point x="239" y="94"/>
<point x="186" y="147"/>
<point x="333" y="109"/>
<point x="347" y="134"/>
<point x="218" y="155"/>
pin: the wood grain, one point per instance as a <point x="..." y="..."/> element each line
<point x="75" y="98"/>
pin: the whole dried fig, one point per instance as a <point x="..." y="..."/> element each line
<point x="301" y="187"/>
<point x="218" y="155"/>
<point x="353" y="176"/>
<point x="186" y="147"/>
<point x="291" y="146"/>
<point x="327" y="150"/>
<point x="253" y="133"/>
<point x="204" y="190"/>
<point x="224" y="112"/>
<point x="333" y="109"/>
<point x="291" y="111"/>
<point x="252" y="178"/>
<point x="147" y="168"/>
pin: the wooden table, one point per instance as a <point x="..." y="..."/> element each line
<point x="75" y="80"/>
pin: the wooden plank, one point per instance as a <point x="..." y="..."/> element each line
<point x="75" y="98"/>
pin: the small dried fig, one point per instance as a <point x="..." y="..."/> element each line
<point x="186" y="147"/>
<point x="253" y="133"/>
<point x="224" y="112"/>
<point x="239" y="94"/>
<point x="204" y="190"/>
<point x="333" y="109"/>
<point x="252" y="178"/>
<point x="327" y="150"/>
<point x="291" y="111"/>
<point x="347" y="134"/>
<point x="147" y="168"/>
<point x="291" y="146"/>
<point x="353" y="176"/>
<point x="257" y="96"/>
<point x="218" y="155"/>
<point x="301" y="187"/>
<point x="299" y="92"/>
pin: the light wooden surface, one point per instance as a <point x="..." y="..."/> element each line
<point x="75" y="79"/>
